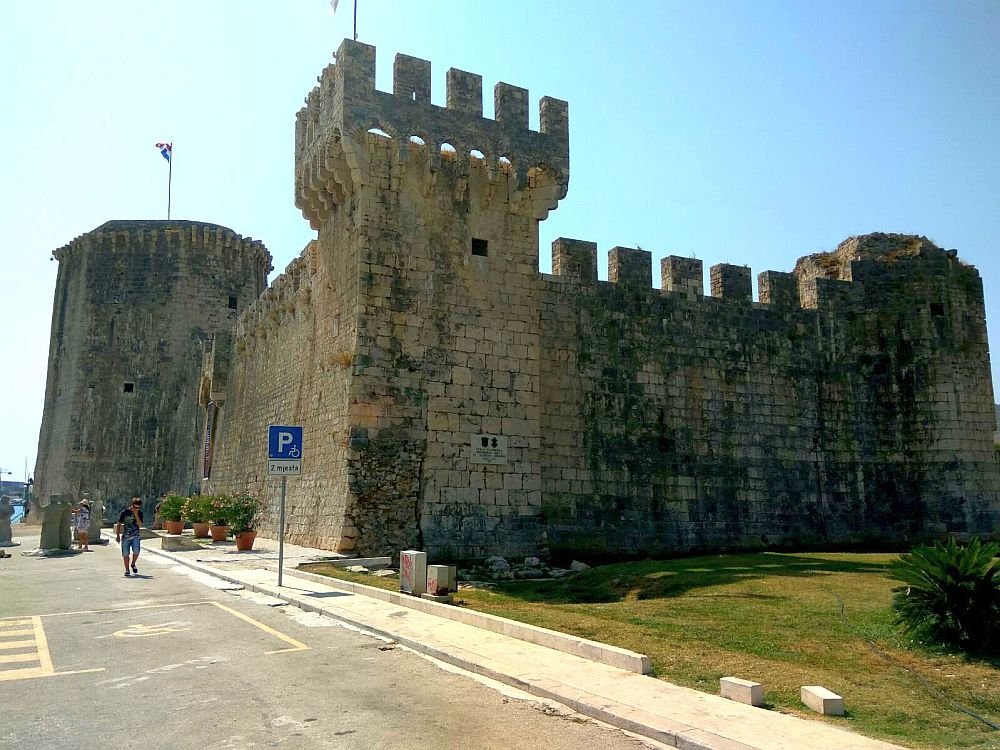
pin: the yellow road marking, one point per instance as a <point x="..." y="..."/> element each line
<point x="16" y="644"/>
<point x="296" y="645"/>
<point x="22" y="674"/>
<point x="14" y="621"/>
<point x="45" y="668"/>
<point x="32" y="672"/>
<point x="43" y="646"/>
<point x="10" y="658"/>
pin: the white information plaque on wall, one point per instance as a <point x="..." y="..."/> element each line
<point x="488" y="449"/>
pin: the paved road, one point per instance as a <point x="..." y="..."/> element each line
<point x="91" y="659"/>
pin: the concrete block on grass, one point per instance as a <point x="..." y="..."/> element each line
<point x="822" y="701"/>
<point x="437" y="580"/>
<point x="413" y="572"/>
<point x="742" y="691"/>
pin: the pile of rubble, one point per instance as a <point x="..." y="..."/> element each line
<point x="500" y="569"/>
<point x="492" y="569"/>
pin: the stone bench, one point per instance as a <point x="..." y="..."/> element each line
<point x="742" y="691"/>
<point x="822" y="701"/>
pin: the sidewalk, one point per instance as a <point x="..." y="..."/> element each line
<point x="667" y="713"/>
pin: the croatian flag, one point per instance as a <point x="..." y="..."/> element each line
<point x="166" y="149"/>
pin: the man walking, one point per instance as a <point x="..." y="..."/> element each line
<point x="130" y="520"/>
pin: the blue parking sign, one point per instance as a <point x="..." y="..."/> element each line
<point x="284" y="442"/>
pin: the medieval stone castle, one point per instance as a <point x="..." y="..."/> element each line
<point x="455" y="399"/>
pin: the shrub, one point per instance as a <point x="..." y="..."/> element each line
<point x="244" y="508"/>
<point x="170" y="507"/>
<point x="196" y="509"/>
<point x="217" y="509"/>
<point x="952" y="593"/>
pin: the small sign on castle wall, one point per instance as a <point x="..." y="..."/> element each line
<point x="488" y="449"/>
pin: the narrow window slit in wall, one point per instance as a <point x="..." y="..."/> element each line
<point x="480" y="247"/>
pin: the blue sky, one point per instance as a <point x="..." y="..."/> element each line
<point x="740" y="132"/>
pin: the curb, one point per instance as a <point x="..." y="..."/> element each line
<point x="612" y="656"/>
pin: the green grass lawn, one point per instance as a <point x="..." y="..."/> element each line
<point x="783" y="620"/>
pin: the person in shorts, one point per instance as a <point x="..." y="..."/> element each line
<point x="127" y="532"/>
<point x="83" y="524"/>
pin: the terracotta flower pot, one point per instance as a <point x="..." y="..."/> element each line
<point x="201" y="530"/>
<point x="244" y="540"/>
<point x="219" y="533"/>
<point x="173" y="527"/>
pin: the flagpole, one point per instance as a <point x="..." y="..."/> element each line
<point x="355" y="20"/>
<point x="170" y="177"/>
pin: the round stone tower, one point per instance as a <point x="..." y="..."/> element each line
<point x="135" y="302"/>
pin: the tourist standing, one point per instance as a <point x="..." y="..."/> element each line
<point x="83" y="525"/>
<point x="127" y="532"/>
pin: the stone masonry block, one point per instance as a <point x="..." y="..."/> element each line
<point x="510" y="104"/>
<point x="630" y="266"/>
<point x="822" y="701"/>
<point x="731" y="282"/>
<point x="742" y="691"/>
<point x="554" y="116"/>
<point x="685" y="275"/>
<point x="779" y="289"/>
<point x="575" y="259"/>
<point x="464" y="91"/>
<point x="355" y="67"/>
<point x="411" y="78"/>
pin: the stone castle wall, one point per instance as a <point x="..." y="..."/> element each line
<point x="134" y="304"/>
<point x="292" y="353"/>
<point x="852" y="404"/>
<point x="673" y="421"/>
<point x="848" y="406"/>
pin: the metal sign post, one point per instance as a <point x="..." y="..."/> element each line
<point x="281" y="527"/>
<point x="284" y="457"/>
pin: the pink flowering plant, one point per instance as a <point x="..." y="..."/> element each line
<point x="171" y="507"/>
<point x="196" y="509"/>
<point x="217" y="509"/>
<point x="244" y="511"/>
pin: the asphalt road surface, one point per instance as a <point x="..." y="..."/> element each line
<point x="91" y="659"/>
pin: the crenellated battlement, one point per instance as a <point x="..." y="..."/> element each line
<point x="847" y="278"/>
<point x="282" y="299"/>
<point x="333" y="155"/>
<point x="152" y="235"/>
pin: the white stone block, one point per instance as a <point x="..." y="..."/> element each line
<point x="413" y="572"/>
<point x="437" y="580"/>
<point x="742" y="691"/>
<point x="822" y="701"/>
<point x="452" y="578"/>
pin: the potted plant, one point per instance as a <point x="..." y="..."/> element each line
<point x="244" y="510"/>
<point x="195" y="511"/>
<point x="218" y="516"/>
<point x="171" y="513"/>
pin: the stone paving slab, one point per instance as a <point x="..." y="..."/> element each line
<point x="664" y="712"/>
